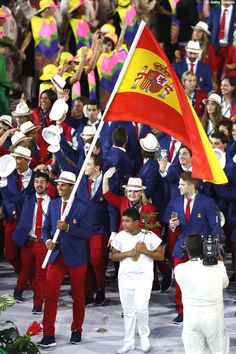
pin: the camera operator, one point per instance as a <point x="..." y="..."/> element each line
<point x="202" y="294"/>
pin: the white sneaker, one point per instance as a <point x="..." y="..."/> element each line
<point x="125" y="348"/>
<point x="145" y="344"/>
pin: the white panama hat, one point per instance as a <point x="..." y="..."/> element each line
<point x="7" y="165"/>
<point x="149" y="143"/>
<point x="134" y="184"/>
<point x="66" y="177"/>
<point x="59" y="108"/>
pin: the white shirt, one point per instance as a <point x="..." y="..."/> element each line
<point x="130" y="270"/>
<point x="189" y="65"/>
<point x="227" y="22"/>
<point x="201" y="285"/>
<point x="45" y="203"/>
<point x="191" y="203"/>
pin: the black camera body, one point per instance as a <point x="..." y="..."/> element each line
<point x="212" y="249"/>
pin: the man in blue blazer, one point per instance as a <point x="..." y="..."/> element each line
<point x="222" y="22"/>
<point x="192" y="212"/>
<point x="68" y="255"/>
<point x="192" y="63"/>
<point x="18" y="182"/>
<point x="28" y="235"/>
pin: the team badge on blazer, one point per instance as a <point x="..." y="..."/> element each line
<point x="199" y="215"/>
<point x="74" y="221"/>
<point x="101" y="199"/>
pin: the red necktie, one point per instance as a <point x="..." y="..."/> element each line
<point x="39" y="218"/>
<point x="192" y="67"/>
<point x="187" y="210"/>
<point x="136" y="129"/>
<point x="222" y="26"/>
<point x="172" y="148"/>
<point x="64" y="204"/>
<point x="90" y="182"/>
<point x="19" y="182"/>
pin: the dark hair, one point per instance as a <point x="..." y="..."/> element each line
<point x="119" y="136"/>
<point x="187" y="177"/>
<point x="220" y="135"/>
<point x="194" y="245"/>
<point x="93" y="102"/>
<point x="132" y="213"/>
<point x="39" y="174"/>
<point x="97" y="144"/>
<point x="147" y="154"/>
<point x="82" y="99"/>
<point x="232" y="82"/>
<point x="97" y="160"/>
<point x="228" y="124"/>
<point x="185" y="147"/>
<point x="52" y="96"/>
<point x="106" y="39"/>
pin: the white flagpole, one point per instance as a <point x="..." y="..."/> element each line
<point x="123" y="71"/>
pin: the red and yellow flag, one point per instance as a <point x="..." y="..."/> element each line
<point x="148" y="91"/>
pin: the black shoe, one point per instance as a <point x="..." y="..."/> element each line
<point x="156" y="286"/>
<point x="166" y="282"/>
<point x="18" y="295"/>
<point x="100" y="297"/>
<point x="47" y="341"/>
<point x="37" y="310"/>
<point x="89" y="301"/>
<point x="178" y="319"/>
<point x="75" y="337"/>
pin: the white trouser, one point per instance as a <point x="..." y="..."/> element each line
<point x="135" y="302"/>
<point x="205" y="325"/>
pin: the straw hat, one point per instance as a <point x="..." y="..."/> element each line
<point x="52" y="135"/>
<point x="75" y="4"/>
<point x="27" y="127"/>
<point x="58" y="82"/>
<point x="88" y="132"/>
<point x="17" y="138"/>
<point x="6" y="120"/>
<point x="48" y="71"/>
<point x="193" y="47"/>
<point x="135" y="184"/>
<point x="203" y="26"/>
<point x="23" y="152"/>
<point x="59" y="108"/>
<point x="214" y="98"/>
<point x="45" y="4"/>
<point x="22" y="109"/>
<point x="149" y="143"/>
<point x="7" y="165"/>
<point x="66" y="177"/>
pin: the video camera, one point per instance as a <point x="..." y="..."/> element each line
<point x="212" y="249"/>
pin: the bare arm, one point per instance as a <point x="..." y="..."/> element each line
<point x="25" y="44"/>
<point x="107" y="175"/>
<point x="119" y="256"/>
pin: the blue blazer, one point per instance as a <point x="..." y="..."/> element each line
<point x="120" y="160"/>
<point x="154" y="184"/>
<point x="71" y="243"/>
<point x="10" y="203"/>
<point x="203" y="219"/>
<point x="103" y="218"/>
<point x="24" y="224"/>
<point x="214" y="25"/>
<point x="203" y="72"/>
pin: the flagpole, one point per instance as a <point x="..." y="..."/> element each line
<point x="124" y="68"/>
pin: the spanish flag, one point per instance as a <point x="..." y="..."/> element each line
<point x="149" y="92"/>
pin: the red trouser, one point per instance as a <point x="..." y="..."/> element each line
<point x="32" y="256"/>
<point x="178" y="294"/>
<point x="54" y="278"/>
<point x="97" y="245"/>
<point x="12" y="251"/>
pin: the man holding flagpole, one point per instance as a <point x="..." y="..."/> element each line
<point x="68" y="255"/>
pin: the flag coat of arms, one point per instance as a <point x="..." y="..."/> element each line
<point x="148" y="91"/>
